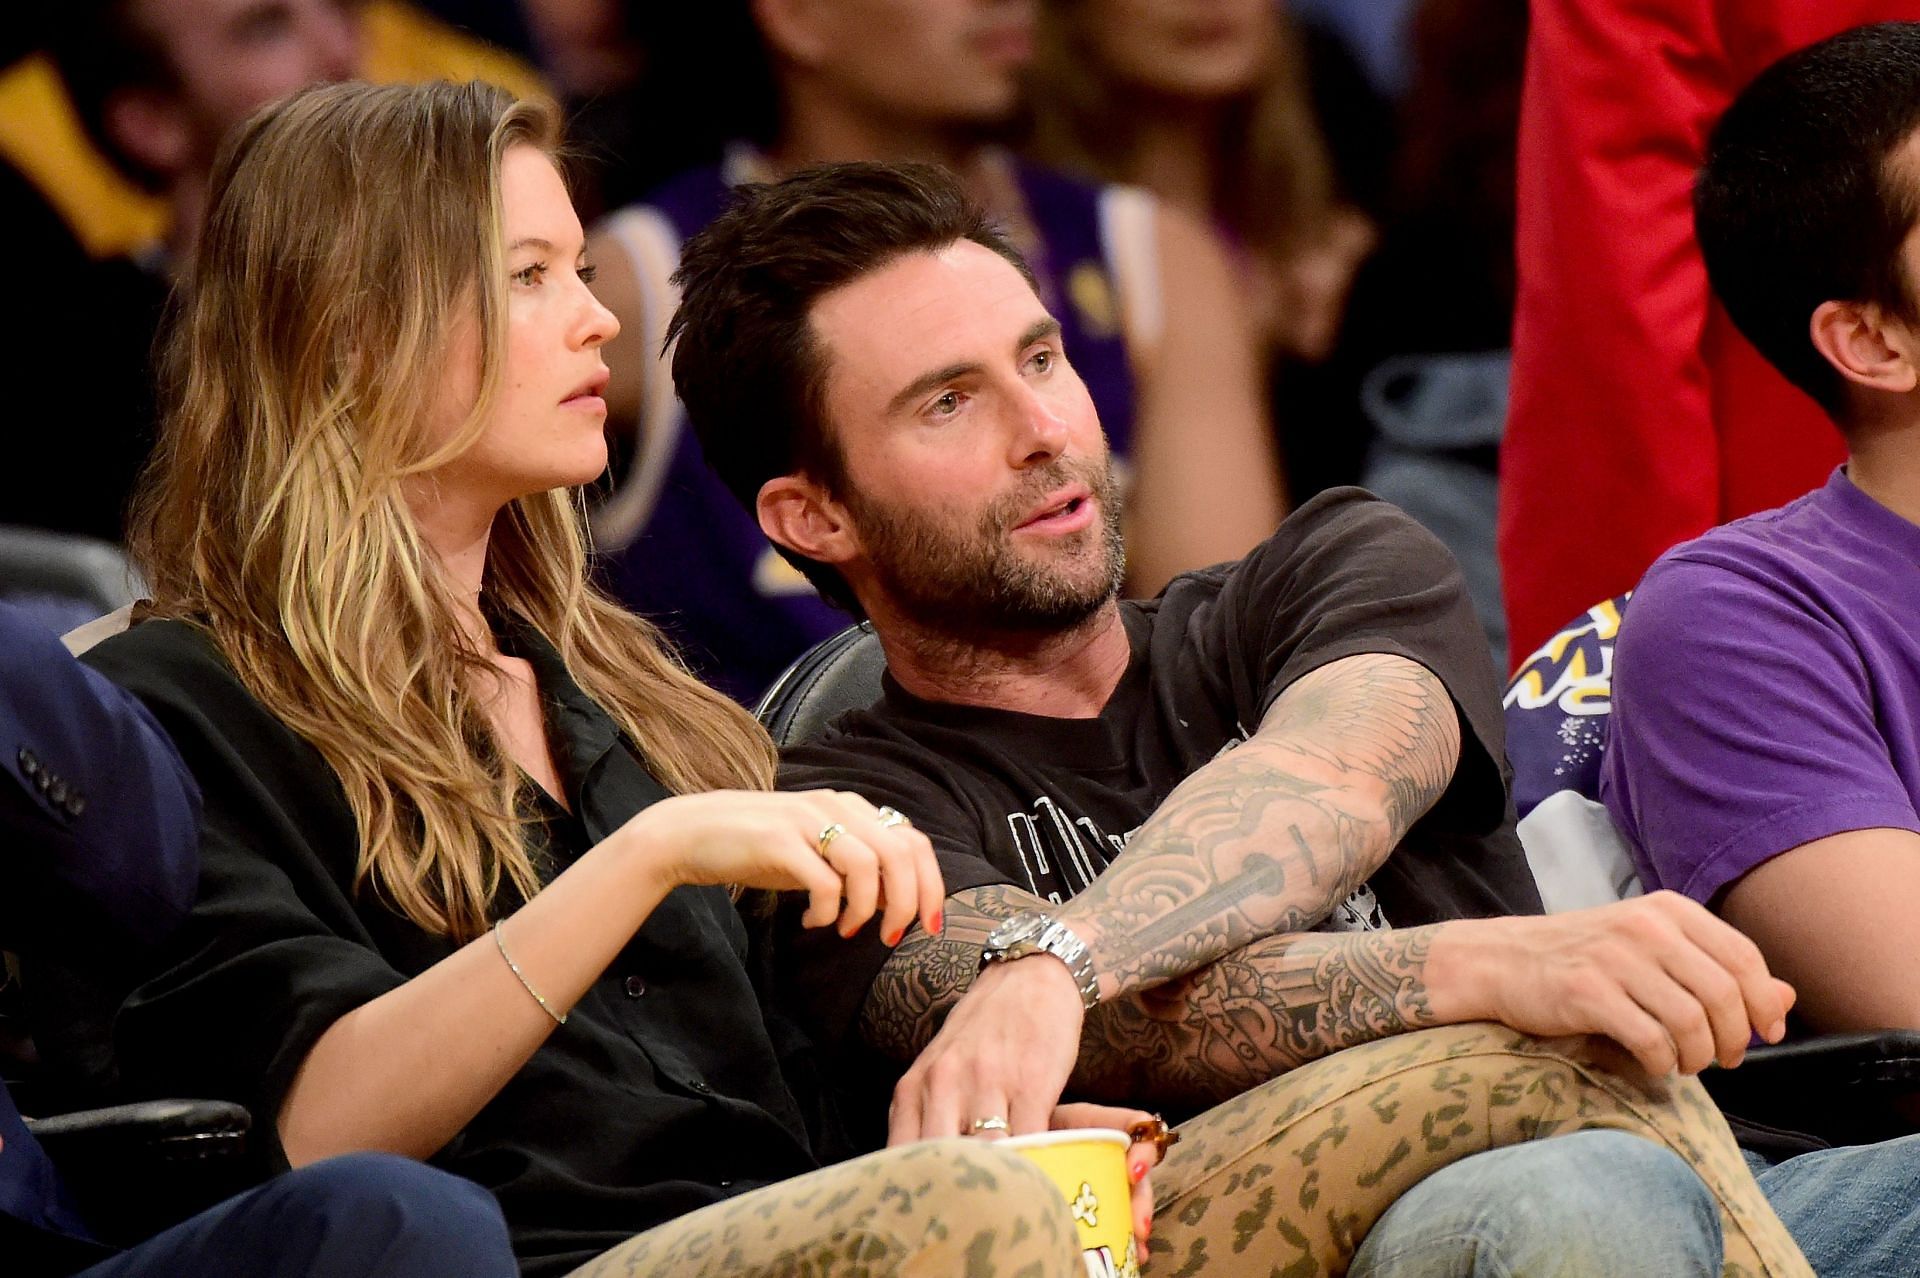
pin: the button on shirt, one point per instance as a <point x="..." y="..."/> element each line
<point x="627" y="1117"/>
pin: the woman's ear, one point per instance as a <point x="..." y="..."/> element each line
<point x="1869" y="345"/>
<point x="797" y="513"/>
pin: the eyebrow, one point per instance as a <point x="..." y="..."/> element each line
<point x="930" y="381"/>
<point x="535" y="242"/>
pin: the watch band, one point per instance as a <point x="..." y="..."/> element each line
<point x="1032" y="932"/>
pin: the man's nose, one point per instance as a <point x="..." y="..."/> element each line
<point x="1041" y="432"/>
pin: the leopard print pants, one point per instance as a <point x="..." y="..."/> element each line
<point x="1285" y="1179"/>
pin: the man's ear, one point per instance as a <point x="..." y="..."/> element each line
<point x="1869" y="345"/>
<point x="151" y="127"/>
<point x="792" y="29"/>
<point x="797" y="513"/>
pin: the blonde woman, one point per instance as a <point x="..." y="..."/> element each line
<point x="467" y="827"/>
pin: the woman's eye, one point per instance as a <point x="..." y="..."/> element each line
<point x="588" y="274"/>
<point x="528" y="276"/>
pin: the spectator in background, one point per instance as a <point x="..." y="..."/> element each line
<point x="1211" y="111"/>
<point x="1640" y="418"/>
<point x="106" y="139"/>
<point x="101" y="824"/>
<point x="1144" y="292"/>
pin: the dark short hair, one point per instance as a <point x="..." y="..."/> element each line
<point x="747" y="364"/>
<point x="100" y="47"/>
<point x="1803" y="198"/>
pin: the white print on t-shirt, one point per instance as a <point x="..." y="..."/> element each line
<point x="1072" y="836"/>
<point x="1082" y="850"/>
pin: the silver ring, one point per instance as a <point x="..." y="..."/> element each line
<point x="994" y="1124"/>
<point x="831" y="831"/>
<point x="889" y="817"/>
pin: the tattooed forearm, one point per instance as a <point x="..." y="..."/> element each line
<point x="1256" y="1014"/>
<point x="1234" y="1023"/>
<point x="927" y="974"/>
<point x="1270" y="837"/>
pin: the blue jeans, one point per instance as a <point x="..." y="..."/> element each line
<point x="1582" y="1205"/>
<point x="1855" y="1210"/>
<point x="358" y="1216"/>
<point x="1609" y="1203"/>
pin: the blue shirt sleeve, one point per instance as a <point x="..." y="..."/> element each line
<point x="101" y="818"/>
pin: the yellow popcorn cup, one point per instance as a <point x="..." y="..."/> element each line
<point x="1089" y="1164"/>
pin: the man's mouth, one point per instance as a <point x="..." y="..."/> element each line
<point x="1063" y="511"/>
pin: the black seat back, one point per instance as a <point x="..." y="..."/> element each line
<point x="838" y="674"/>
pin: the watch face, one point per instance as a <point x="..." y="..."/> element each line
<point x="1014" y="933"/>
<point x="1019" y="927"/>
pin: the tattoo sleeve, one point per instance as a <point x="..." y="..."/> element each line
<point x="1227" y="1026"/>
<point x="1268" y="838"/>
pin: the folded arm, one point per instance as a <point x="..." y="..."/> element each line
<point x="1194" y="1041"/>
<point x="1266" y="839"/>
<point x="1271" y="836"/>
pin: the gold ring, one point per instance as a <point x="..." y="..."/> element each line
<point x="994" y="1124"/>
<point x="889" y="817"/>
<point x="831" y="831"/>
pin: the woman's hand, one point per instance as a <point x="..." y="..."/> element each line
<point x="872" y="861"/>
<point x="1142" y="1156"/>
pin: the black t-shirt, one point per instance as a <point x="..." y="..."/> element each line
<point x="1045" y="804"/>
<point x="667" y="1089"/>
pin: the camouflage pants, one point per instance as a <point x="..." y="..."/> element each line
<point x="1283" y="1180"/>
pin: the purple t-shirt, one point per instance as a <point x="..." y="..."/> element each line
<point x="1766" y="690"/>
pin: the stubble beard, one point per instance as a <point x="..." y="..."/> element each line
<point x="966" y="582"/>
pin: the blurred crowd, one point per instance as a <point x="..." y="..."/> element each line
<point x="1283" y="234"/>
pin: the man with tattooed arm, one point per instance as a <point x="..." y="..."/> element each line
<point x="1189" y="844"/>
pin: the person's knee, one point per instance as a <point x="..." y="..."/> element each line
<point x="1587" y="1202"/>
<point x="376" y="1215"/>
<point x="979" y="1178"/>
<point x="976" y="1184"/>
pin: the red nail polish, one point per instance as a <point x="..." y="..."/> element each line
<point x="1138" y="1171"/>
<point x="893" y="938"/>
<point x="937" y="924"/>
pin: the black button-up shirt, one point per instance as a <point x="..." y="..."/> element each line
<point x="637" y="1110"/>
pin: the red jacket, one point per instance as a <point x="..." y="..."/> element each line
<point x="1639" y="418"/>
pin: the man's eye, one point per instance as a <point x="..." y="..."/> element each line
<point x="1042" y="361"/>
<point x="947" y="405"/>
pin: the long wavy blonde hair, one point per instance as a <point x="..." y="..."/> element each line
<point x="351" y="230"/>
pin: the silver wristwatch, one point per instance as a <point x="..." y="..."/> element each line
<point x="1032" y="932"/>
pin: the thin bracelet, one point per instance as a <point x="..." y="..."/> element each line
<point x="559" y="1018"/>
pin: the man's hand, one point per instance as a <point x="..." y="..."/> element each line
<point x="1659" y="974"/>
<point x="1005" y="1052"/>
